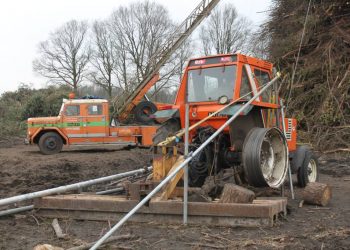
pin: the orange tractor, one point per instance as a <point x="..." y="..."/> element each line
<point x="259" y="144"/>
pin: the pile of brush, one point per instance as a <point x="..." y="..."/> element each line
<point x="319" y="96"/>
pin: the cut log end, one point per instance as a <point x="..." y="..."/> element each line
<point x="317" y="194"/>
<point x="236" y="194"/>
<point x="47" y="247"/>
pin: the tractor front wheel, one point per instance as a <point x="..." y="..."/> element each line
<point x="50" y="143"/>
<point x="308" y="171"/>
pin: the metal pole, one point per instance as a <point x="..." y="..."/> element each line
<point x="172" y="174"/>
<point x="185" y="203"/>
<point x="16" y="210"/>
<point x="284" y="132"/>
<point x="30" y="207"/>
<point x="110" y="191"/>
<point x="70" y="187"/>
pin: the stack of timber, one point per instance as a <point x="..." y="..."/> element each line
<point x="262" y="212"/>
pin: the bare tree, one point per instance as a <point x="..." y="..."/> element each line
<point x="63" y="58"/>
<point x="225" y="32"/>
<point x="259" y="45"/>
<point x="164" y="91"/>
<point x="139" y="30"/>
<point x="103" y="58"/>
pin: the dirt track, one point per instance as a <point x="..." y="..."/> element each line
<point x="23" y="169"/>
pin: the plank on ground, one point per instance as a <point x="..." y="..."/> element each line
<point x="157" y="218"/>
<point x="162" y="207"/>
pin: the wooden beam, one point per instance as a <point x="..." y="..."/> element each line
<point x="169" y="188"/>
<point x="93" y="203"/>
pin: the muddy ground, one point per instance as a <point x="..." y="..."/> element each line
<point x="23" y="169"/>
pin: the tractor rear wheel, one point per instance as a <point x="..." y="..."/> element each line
<point x="265" y="157"/>
<point x="50" y="143"/>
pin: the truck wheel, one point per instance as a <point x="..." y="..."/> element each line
<point x="265" y="157"/>
<point x="50" y="143"/>
<point x="143" y="111"/>
<point x="308" y="171"/>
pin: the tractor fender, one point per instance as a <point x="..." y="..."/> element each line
<point x="298" y="157"/>
<point x="43" y="129"/>
<point x="162" y="116"/>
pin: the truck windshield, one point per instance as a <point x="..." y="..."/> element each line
<point x="209" y="84"/>
<point x="62" y="107"/>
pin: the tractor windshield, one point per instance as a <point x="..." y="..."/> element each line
<point x="209" y="84"/>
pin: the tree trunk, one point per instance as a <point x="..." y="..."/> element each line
<point x="317" y="193"/>
<point x="236" y="194"/>
<point x="75" y="88"/>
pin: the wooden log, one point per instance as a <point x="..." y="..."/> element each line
<point x="47" y="247"/>
<point x="58" y="229"/>
<point x="317" y="193"/>
<point x="236" y="194"/>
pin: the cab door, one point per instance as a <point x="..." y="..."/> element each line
<point x="95" y="122"/>
<point x="72" y="123"/>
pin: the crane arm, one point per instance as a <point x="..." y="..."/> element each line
<point x="163" y="54"/>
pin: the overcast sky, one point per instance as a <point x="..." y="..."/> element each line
<point x="24" y="23"/>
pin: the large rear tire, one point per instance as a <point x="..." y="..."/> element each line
<point x="265" y="157"/>
<point x="50" y="143"/>
<point x="143" y="112"/>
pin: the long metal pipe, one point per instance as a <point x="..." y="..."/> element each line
<point x="70" y="187"/>
<point x="187" y="125"/>
<point x="187" y="160"/>
<point x="185" y="207"/>
<point x="16" y="210"/>
<point x="110" y="191"/>
<point x="30" y="207"/>
<point x="289" y="169"/>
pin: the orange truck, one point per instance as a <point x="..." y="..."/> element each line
<point x="84" y="122"/>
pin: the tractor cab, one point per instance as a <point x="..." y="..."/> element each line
<point x="214" y="81"/>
